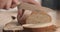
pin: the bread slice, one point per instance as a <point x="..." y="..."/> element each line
<point x="12" y="27"/>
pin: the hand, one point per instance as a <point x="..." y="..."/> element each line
<point x="6" y="4"/>
<point x="21" y="17"/>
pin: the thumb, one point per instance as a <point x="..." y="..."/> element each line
<point x="15" y="3"/>
<point x="8" y="5"/>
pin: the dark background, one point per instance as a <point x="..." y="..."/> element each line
<point x="53" y="4"/>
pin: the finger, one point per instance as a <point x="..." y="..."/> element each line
<point x="22" y="20"/>
<point x="26" y="14"/>
<point x="16" y="2"/>
<point x="20" y="12"/>
<point x="8" y="5"/>
<point x="13" y="5"/>
<point x="2" y="4"/>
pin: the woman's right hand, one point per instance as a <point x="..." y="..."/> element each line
<point x="21" y="17"/>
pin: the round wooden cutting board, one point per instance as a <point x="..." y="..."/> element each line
<point x="47" y="27"/>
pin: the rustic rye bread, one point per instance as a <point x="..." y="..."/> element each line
<point x="33" y="17"/>
<point x="38" y="18"/>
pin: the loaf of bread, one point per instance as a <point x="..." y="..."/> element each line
<point x="38" y="17"/>
<point x="33" y="17"/>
